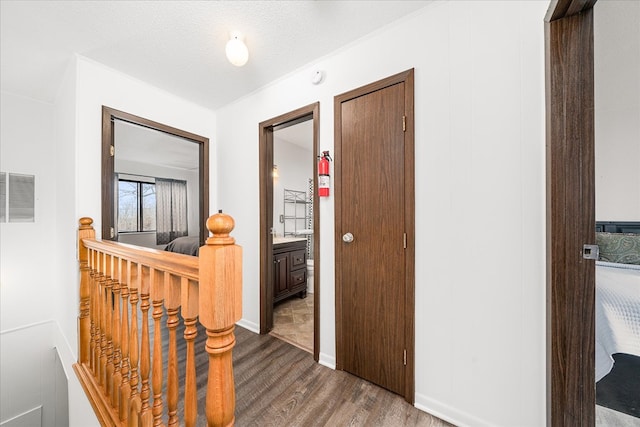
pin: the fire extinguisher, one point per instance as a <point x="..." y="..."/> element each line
<point x="323" y="174"/>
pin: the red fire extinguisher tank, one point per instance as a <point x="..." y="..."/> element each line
<point x="323" y="174"/>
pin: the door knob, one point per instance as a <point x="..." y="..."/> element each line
<point x="347" y="238"/>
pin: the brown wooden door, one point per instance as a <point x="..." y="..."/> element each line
<point x="371" y="271"/>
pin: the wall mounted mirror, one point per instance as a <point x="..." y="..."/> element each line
<point x="148" y="169"/>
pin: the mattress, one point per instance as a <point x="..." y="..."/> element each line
<point x="617" y="313"/>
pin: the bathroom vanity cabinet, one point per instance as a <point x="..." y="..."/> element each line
<point x="289" y="269"/>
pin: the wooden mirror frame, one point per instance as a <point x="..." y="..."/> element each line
<point x="109" y="115"/>
<point x="570" y="212"/>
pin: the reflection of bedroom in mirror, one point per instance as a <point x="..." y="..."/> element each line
<point x="293" y="234"/>
<point x="617" y="208"/>
<point x="158" y="192"/>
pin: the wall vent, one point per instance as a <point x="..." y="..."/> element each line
<point x="3" y="197"/>
<point x="17" y="197"/>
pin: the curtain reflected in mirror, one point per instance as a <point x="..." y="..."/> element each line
<point x="171" y="210"/>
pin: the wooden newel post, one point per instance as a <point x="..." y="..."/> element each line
<point x="85" y="231"/>
<point x="220" y="307"/>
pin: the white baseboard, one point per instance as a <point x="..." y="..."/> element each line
<point x="328" y="361"/>
<point x="253" y="327"/>
<point x="448" y="413"/>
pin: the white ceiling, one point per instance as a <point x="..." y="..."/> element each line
<point x="143" y="145"/>
<point x="179" y="45"/>
<point x="300" y="134"/>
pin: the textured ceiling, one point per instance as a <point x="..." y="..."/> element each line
<point x="179" y="45"/>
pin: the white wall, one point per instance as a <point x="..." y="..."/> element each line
<point x="28" y="267"/>
<point x="617" y="110"/>
<point x="27" y="148"/>
<point x="66" y="278"/>
<point x="480" y="274"/>
<point x="87" y="87"/>
<point x="27" y="373"/>
<point x="295" y="168"/>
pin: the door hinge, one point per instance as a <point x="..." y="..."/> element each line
<point x="404" y="238"/>
<point x="112" y="150"/>
<point x="113" y="232"/>
<point x="404" y="357"/>
<point x="404" y="123"/>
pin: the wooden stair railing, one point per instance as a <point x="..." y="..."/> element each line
<point x="120" y="285"/>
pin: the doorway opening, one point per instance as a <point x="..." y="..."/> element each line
<point x="289" y="226"/>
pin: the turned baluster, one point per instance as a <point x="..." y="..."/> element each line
<point x="145" y="362"/>
<point x="189" y="299"/>
<point x="117" y="375"/>
<point x="157" y="298"/>
<point x="97" y="314"/>
<point x="220" y="307"/>
<point x="125" y="388"/>
<point x="84" y="321"/>
<point x="135" y="403"/>
<point x="109" y="325"/>
<point x="172" y="302"/>
<point x="94" y="311"/>
<point x="103" y="321"/>
<point x="97" y="304"/>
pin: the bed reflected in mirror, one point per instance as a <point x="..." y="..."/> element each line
<point x="617" y="212"/>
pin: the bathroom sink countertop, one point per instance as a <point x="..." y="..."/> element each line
<point x="278" y="240"/>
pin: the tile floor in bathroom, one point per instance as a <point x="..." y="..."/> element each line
<point x="293" y="321"/>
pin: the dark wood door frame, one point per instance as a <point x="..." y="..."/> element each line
<point x="266" y="128"/>
<point x="409" y="211"/>
<point x="109" y="115"/>
<point x="570" y="213"/>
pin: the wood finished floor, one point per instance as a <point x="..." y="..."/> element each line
<point x="278" y="384"/>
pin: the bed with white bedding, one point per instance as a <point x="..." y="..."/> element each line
<point x="617" y="293"/>
<point x="617" y="313"/>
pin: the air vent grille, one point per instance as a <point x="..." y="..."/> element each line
<point x="17" y="197"/>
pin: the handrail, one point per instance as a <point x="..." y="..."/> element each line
<point x="170" y="262"/>
<point x="119" y="369"/>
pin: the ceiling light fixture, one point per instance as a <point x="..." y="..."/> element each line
<point x="237" y="52"/>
